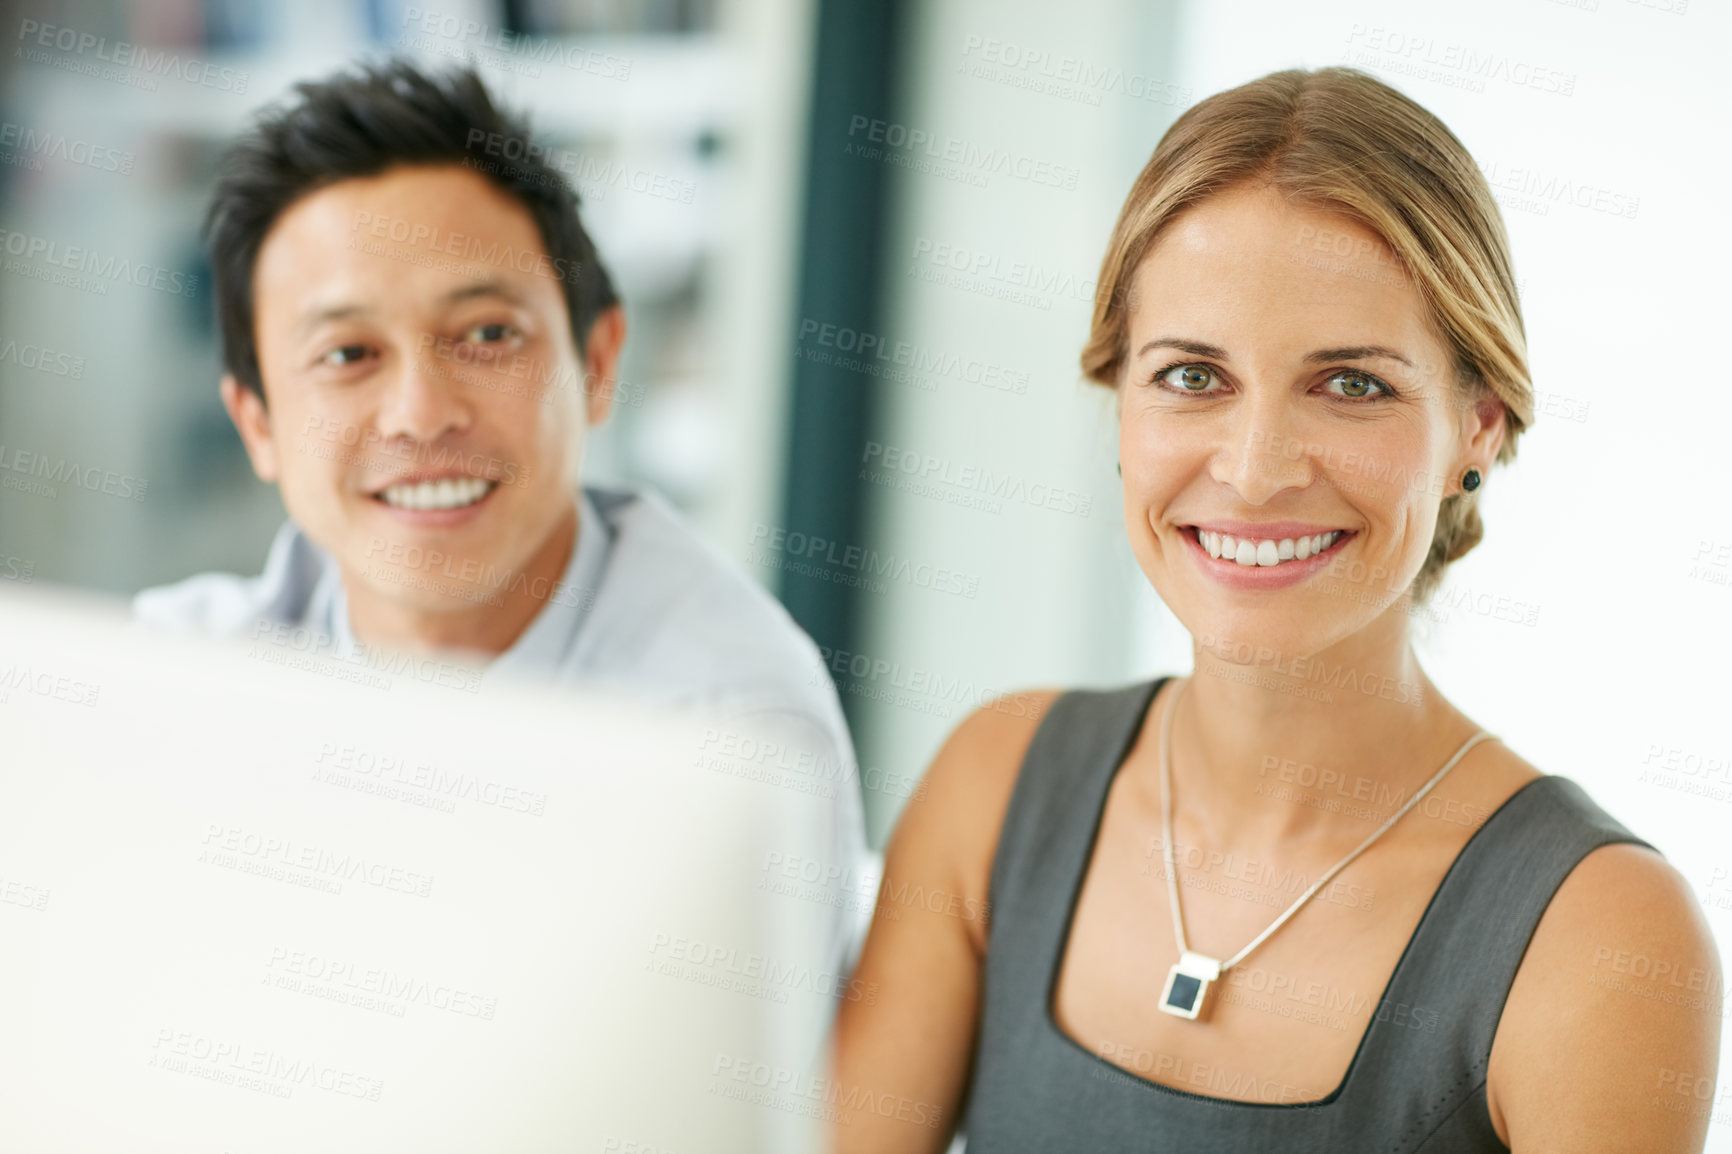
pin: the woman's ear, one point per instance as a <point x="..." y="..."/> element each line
<point x="1483" y="425"/>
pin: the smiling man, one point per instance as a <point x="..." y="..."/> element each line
<point x="416" y="337"/>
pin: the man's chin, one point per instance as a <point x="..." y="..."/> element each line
<point x="428" y="587"/>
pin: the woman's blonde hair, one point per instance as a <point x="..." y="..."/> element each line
<point x="1341" y="141"/>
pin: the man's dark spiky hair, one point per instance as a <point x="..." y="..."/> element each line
<point x="360" y="123"/>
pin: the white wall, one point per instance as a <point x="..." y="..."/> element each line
<point x="1056" y="590"/>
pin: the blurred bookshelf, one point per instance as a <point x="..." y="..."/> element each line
<point x="678" y="118"/>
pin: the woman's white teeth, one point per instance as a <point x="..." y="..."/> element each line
<point x="1248" y="552"/>
<point x="445" y="493"/>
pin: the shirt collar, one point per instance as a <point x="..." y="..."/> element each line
<point x="553" y="633"/>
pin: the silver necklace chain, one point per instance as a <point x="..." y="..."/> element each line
<point x="1167" y="835"/>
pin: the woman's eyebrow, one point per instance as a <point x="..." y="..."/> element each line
<point x="1321" y="356"/>
<point x="1355" y="353"/>
<point x="1195" y="348"/>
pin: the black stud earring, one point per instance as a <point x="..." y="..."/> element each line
<point x="1121" y="468"/>
<point x="1470" y="480"/>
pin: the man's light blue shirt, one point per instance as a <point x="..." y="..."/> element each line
<point x="644" y="607"/>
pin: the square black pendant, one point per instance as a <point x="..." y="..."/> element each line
<point x="1186" y="993"/>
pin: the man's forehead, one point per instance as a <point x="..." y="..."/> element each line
<point x="419" y="216"/>
<point x="422" y="236"/>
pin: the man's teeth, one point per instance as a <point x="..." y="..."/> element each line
<point x="445" y="493"/>
<point x="1248" y="552"/>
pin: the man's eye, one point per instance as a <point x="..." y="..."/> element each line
<point x="1187" y="378"/>
<point x="344" y="355"/>
<point x="489" y="334"/>
<point x="1356" y="385"/>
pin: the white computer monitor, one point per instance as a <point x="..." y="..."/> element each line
<point x="251" y="904"/>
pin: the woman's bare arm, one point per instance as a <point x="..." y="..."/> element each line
<point x="902" y="1052"/>
<point x="1610" y="1039"/>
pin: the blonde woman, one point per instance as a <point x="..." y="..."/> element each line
<point x="1296" y="901"/>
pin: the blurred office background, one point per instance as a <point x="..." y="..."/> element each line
<point x="857" y="245"/>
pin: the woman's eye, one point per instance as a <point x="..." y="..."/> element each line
<point x="1356" y="385"/>
<point x="1188" y="378"/>
<point x="344" y="355"/>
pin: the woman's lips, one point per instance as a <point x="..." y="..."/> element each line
<point x="1269" y="562"/>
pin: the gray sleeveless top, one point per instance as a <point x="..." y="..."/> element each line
<point x="1035" y="1089"/>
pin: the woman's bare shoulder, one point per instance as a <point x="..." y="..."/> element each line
<point x="960" y="807"/>
<point x="977" y="750"/>
<point x="974" y="773"/>
<point x="1615" y="1010"/>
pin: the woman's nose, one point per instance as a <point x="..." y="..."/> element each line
<point x="1260" y="455"/>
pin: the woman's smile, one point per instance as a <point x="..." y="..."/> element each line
<point x="1273" y="556"/>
